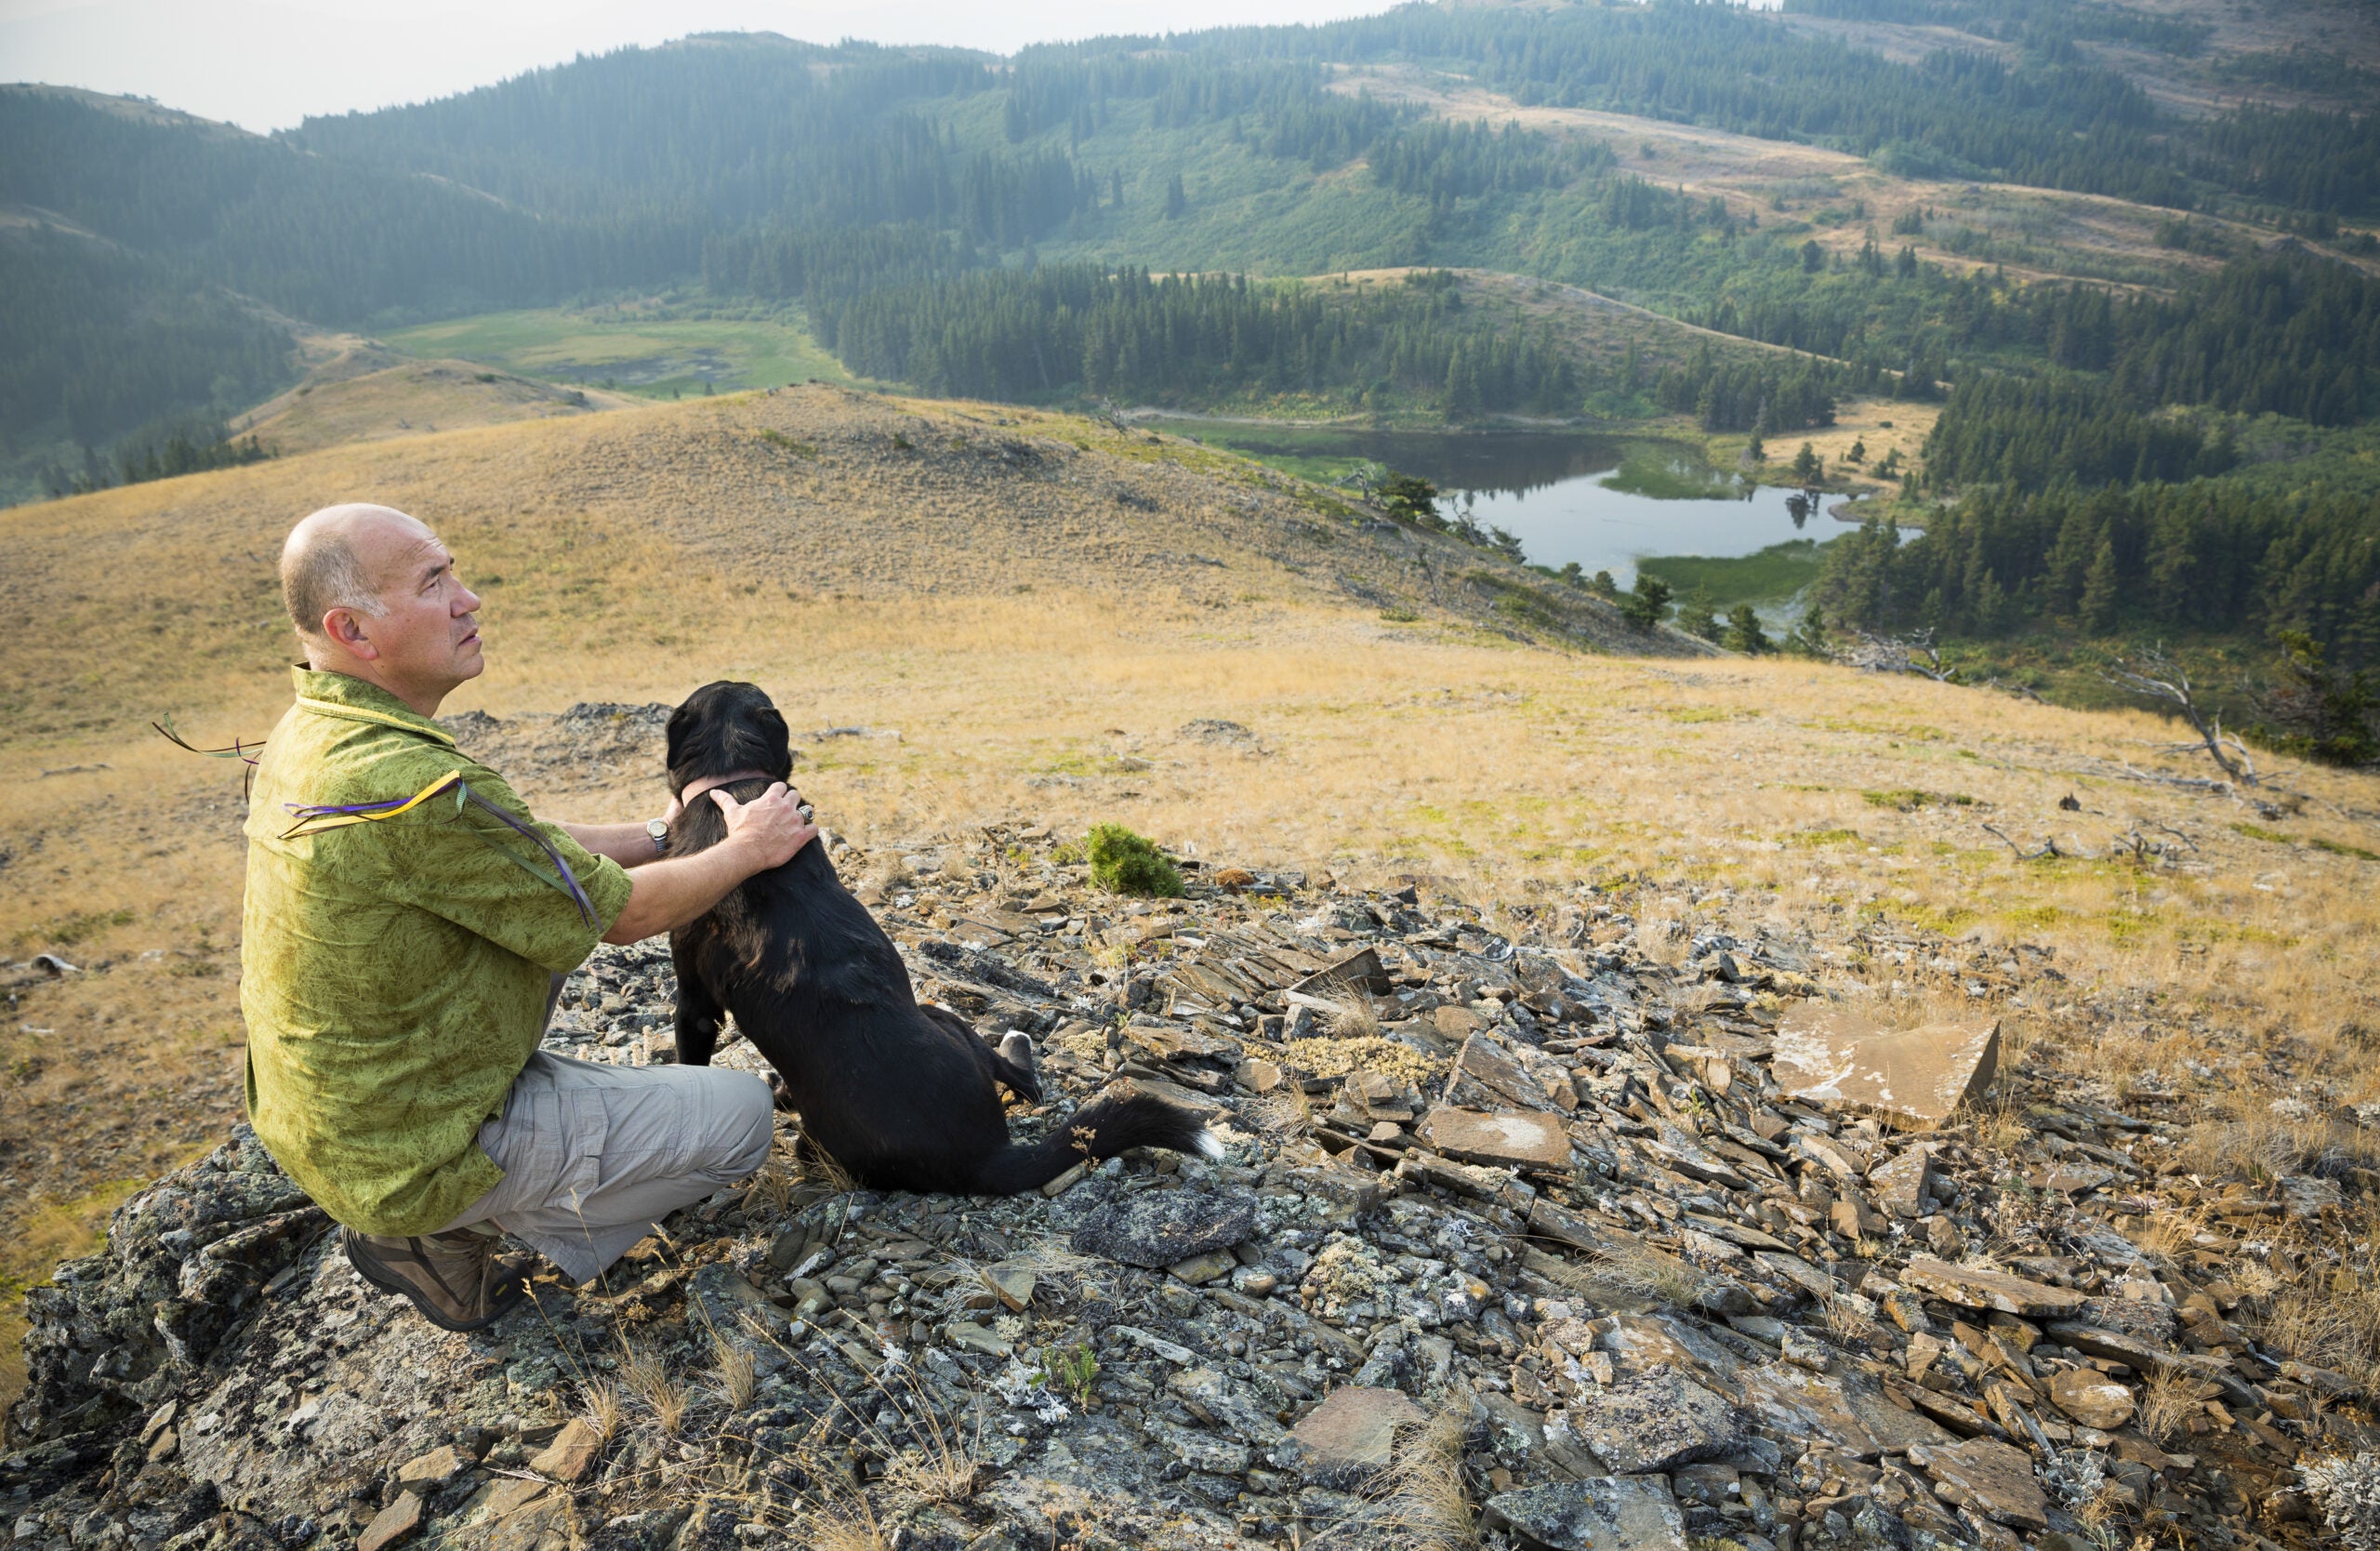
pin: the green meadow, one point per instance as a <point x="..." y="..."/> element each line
<point x="652" y="349"/>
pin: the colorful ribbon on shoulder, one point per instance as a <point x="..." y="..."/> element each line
<point x="316" y="818"/>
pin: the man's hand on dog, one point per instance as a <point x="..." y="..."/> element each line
<point x="768" y="829"/>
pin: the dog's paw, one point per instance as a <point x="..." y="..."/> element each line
<point x="1015" y="1065"/>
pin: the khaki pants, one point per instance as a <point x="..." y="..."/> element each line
<point x="594" y="1155"/>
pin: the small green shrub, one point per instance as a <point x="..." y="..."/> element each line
<point x="1122" y="862"/>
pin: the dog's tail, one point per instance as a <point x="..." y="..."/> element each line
<point x="1097" y="1132"/>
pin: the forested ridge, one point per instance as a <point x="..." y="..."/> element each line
<point x="1188" y="340"/>
<point x="2091" y="498"/>
<point x="896" y="196"/>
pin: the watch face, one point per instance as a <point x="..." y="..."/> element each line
<point x="655" y="828"/>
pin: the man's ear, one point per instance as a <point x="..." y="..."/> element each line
<point x="345" y="629"/>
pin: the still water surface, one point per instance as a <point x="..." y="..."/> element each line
<point x="1566" y="497"/>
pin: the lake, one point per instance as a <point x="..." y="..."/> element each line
<point x="1601" y="501"/>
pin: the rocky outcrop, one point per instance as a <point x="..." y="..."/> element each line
<point x="1506" y="1201"/>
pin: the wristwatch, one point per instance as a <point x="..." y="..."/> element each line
<point x="659" y="830"/>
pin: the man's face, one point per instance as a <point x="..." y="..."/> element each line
<point x="427" y="632"/>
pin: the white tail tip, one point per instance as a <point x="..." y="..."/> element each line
<point x="1210" y="1145"/>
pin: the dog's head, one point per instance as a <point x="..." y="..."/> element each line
<point x="727" y="726"/>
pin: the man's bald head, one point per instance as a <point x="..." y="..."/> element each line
<point x="374" y="596"/>
<point x="338" y="558"/>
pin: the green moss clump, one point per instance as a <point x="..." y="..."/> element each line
<point x="1122" y="862"/>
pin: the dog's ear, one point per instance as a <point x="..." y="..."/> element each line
<point x="683" y="723"/>
<point x="696" y="718"/>
<point x="775" y="739"/>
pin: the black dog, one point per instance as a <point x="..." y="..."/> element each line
<point x="902" y="1097"/>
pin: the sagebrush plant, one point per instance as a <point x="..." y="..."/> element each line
<point x="2348" y="1490"/>
<point x="1122" y="862"/>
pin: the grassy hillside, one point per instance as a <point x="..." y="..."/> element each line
<point x="412" y="399"/>
<point x="1028" y="626"/>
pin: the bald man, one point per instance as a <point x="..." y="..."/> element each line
<point x="407" y="924"/>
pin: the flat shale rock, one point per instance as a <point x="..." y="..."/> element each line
<point x="1508" y="1138"/>
<point x="1987" y="1479"/>
<point x="1653" y="1422"/>
<point x="1157" y="1229"/>
<point x="1352" y="1433"/>
<point x="1607" y="1513"/>
<point x="2092" y="1399"/>
<point x="1973" y="1288"/>
<point x="1916" y="1078"/>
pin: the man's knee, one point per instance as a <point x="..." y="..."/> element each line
<point x="739" y="1120"/>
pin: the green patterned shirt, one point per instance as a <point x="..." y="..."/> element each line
<point x="393" y="974"/>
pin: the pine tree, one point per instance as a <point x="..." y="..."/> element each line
<point x="1744" y="633"/>
<point x="1809" y="637"/>
<point x="2096" y="611"/>
<point x="1643" y="604"/>
<point x="1694" y="616"/>
<point x="1177" y="199"/>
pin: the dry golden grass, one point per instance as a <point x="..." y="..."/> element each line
<point x="414" y="398"/>
<point x="2167" y="1402"/>
<point x="645" y="1373"/>
<point x="643" y="554"/>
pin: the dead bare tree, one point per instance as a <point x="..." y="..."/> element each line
<point x="2048" y="847"/>
<point x="2157" y="677"/>
<point x="1914" y="653"/>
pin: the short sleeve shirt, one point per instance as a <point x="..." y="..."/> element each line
<point x="393" y="974"/>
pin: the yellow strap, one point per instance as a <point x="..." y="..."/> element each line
<point x="364" y="713"/>
<point x="318" y="824"/>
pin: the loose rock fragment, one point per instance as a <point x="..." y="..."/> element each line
<point x="571" y="1453"/>
<point x="1916" y="1078"/>
<point x="1353" y="1432"/>
<point x="1651" y="1422"/>
<point x="1976" y="1289"/>
<point x="1609" y="1513"/>
<point x="1159" y="1227"/>
<point x="1509" y="1138"/>
<point x="2092" y="1399"/>
<point x="1989" y="1479"/>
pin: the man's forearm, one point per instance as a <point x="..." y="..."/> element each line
<point x="627" y="845"/>
<point x="675" y="890"/>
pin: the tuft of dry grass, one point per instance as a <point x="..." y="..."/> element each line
<point x="1631" y="1276"/>
<point x="646" y="1376"/>
<point x="2167" y="1234"/>
<point x="843" y="1520"/>
<point x="1352" y="1018"/>
<point x="1421" y="1501"/>
<point x="2336" y="1328"/>
<point x="2167" y="1402"/>
<point x="599" y="1402"/>
<point x="737" y="1367"/>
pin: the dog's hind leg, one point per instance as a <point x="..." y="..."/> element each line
<point x="1011" y="1059"/>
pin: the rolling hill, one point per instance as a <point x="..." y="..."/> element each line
<point x="1017" y="615"/>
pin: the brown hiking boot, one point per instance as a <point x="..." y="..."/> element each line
<point x="455" y="1279"/>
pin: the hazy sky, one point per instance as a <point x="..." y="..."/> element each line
<point x="264" y="64"/>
